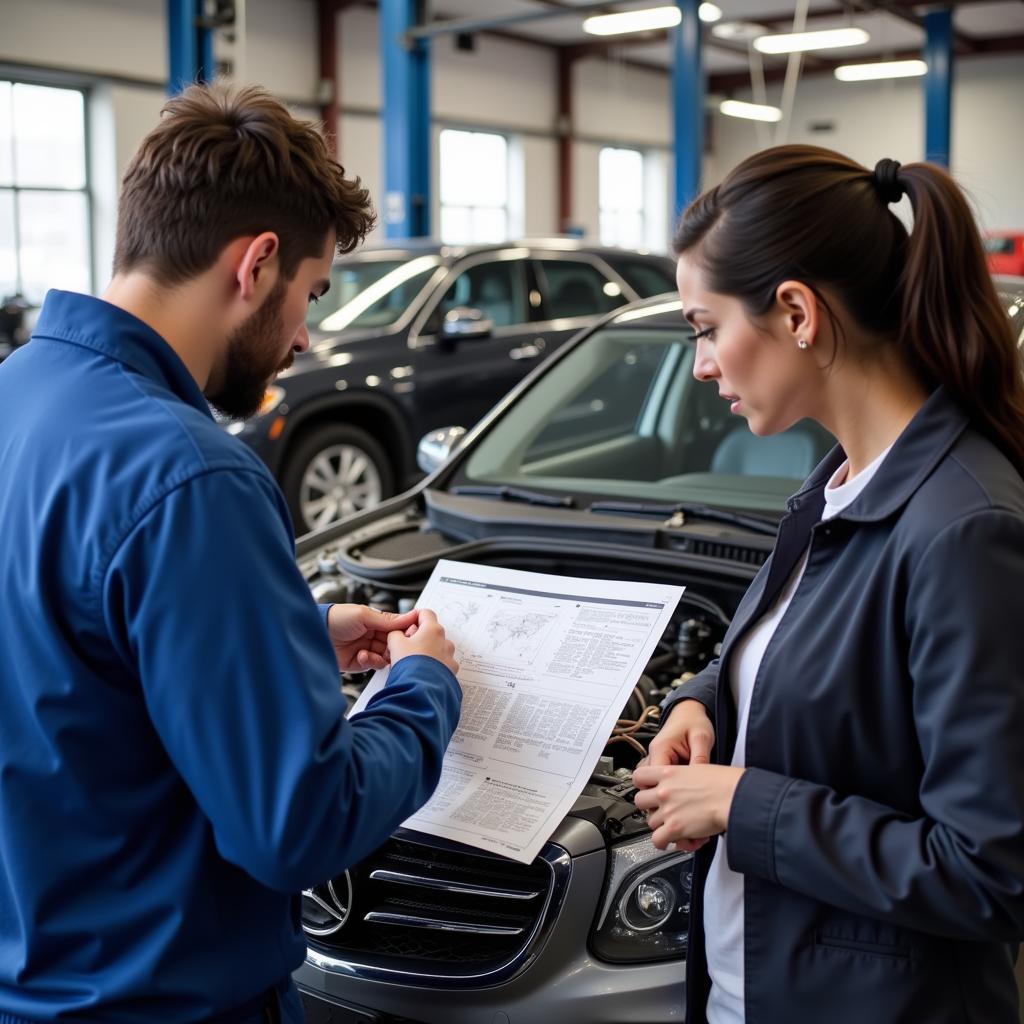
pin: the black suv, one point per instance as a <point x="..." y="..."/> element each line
<point x="415" y="335"/>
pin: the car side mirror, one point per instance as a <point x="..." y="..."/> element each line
<point x="436" y="447"/>
<point x="464" y="323"/>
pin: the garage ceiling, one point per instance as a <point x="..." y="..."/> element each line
<point x="895" y="26"/>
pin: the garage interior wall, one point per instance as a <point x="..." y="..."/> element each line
<point x="506" y="86"/>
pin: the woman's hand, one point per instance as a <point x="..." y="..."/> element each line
<point x="686" y="738"/>
<point x="686" y="804"/>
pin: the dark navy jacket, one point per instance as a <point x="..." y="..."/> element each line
<point x="880" y="822"/>
<point x="174" y="759"/>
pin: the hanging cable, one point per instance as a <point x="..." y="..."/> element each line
<point x="792" y="75"/>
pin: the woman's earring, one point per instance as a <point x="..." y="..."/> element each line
<point x="803" y="343"/>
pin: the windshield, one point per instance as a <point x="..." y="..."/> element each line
<point x="370" y="293"/>
<point x="622" y="416"/>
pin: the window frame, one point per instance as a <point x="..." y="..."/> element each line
<point x="86" y="190"/>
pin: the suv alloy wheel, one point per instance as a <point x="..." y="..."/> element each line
<point x="334" y="471"/>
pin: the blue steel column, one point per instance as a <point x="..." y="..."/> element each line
<point x="191" y="46"/>
<point x="687" y="103"/>
<point x="938" y="85"/>
<point x="406" y="68"/>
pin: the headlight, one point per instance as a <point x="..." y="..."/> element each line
<point x="272" y="398"/>
<point x="646" y="906"/>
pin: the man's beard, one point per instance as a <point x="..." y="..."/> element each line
<point x="252" y="356"/>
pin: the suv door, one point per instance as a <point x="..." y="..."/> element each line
<point x="457" y="381"/>
<point x="573" y="291"/>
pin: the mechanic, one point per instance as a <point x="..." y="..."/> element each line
<point x="175" y="762"/>
<point x="858" y="740"/>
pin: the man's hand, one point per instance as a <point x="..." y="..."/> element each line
<point x="686" y="804"/>
<point x="426" y="636"/>
<point x="360" y="635"/>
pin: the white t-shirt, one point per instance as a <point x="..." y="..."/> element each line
<point x="723" y="892"/>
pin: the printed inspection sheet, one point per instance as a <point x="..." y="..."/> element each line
<point x="546" y="665"/>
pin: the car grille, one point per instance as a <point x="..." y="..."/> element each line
<point x="430" y="911"/>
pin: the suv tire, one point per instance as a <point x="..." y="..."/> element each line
<point x="331" y="472"/>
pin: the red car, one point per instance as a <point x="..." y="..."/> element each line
<point x="1005" y="252"/>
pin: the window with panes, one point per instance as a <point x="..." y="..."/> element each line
<point x="44" y="191"/>
<point x="621" y="197"/>
<point x="474" y="187"/>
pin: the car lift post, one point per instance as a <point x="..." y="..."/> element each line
<point x="938" y="84"/>
<point x="407" y="165"/>
<point x="687" y="103"/>
<point x="190" y="37"/>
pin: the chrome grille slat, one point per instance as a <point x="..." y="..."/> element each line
<point x="400" y="878"/>
<point x="438" y="912"/>
<point x="409" y="921"/>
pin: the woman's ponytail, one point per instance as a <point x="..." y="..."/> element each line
<point x="954" y="330"/>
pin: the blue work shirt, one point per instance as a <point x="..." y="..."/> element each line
<point x="175" y="763"/>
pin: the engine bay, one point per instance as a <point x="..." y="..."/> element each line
<point x="345" y="573"/>
<point x="460" y="913"/>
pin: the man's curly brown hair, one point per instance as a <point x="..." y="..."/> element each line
<point x="224" y="164"/>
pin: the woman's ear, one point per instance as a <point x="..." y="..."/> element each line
<point x="798" y="313"/>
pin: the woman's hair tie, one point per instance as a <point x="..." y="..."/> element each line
<point x="886" y="179"/>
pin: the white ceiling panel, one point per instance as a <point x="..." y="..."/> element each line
<point x="990" y="19"/>
<point x="888" y="33"/>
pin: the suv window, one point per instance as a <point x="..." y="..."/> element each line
<point x="573" y="288"/>
<point x="370" y="292"/>
<point x="645" y="277"/>
<point x="497" y="289"/>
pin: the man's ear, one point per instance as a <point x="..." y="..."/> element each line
<point x="799" y="312"/>
<point x="253" y="270"/>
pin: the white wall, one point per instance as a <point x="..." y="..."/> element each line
<point x="886" y="119"/>
<point x="507" y="86"/>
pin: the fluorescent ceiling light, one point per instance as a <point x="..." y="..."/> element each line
<point x="881" y="69"/>
<point x="796" y="42"/>
<point x="632" y="21"/>
<point x="751" y="111"/>
<point x="644" y="20"/>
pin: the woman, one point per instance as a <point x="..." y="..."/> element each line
<point x="864" y="723"/>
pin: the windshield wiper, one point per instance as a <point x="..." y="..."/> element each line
<point x="678" y="514"/>
<point x="516" y="494"/>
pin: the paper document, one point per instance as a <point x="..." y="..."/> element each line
<point x="547" y="664"/>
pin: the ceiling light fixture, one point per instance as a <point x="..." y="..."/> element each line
<point x="750" y="111"/>
<point x="881" y="69"/>
<point x="738" y="31"/>
<point x="797" y="42"/>
<point x="645" y="20"/>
